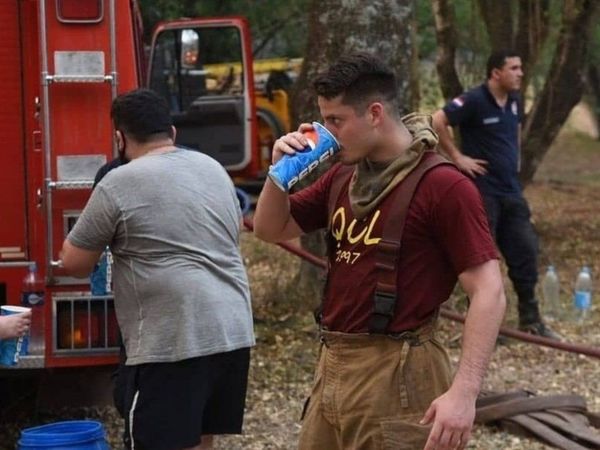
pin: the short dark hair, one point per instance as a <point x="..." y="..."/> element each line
<point x="361" y="78"/>
<point x="497" y="60"/>
<point x="143" y="115"/>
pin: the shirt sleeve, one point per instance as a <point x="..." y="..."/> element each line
<point x="308" y="207"/>
<point x="96" y="225"/>
<point x="460" y="110"/>
<point x="461" y="226"/>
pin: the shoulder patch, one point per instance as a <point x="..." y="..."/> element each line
<point x="458" y="101"/>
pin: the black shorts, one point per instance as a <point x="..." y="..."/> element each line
<point x="169" y="406"/>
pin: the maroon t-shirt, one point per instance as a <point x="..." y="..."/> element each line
<point x="446" y="232"/>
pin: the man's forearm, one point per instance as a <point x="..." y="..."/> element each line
<point x="480" y="332"/>
<point x="448" y="146"/>
<point x="77" y="261"/>
<point x="272" y="213"/>
<point x="446" y="141"/>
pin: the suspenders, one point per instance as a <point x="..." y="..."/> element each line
<point x="388" y="248"/>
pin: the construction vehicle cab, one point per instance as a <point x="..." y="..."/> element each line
<point x="222" y="103"/>
<point x="205" y="75"/>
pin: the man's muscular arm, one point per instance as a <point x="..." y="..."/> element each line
<point x="453" y="412"/>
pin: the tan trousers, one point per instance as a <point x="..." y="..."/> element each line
<point x="370" y="392"/>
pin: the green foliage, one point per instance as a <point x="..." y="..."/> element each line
<point x="472" y="45"/>
<point x="278" y="28"/>
<point x="431" y="97"/>
<point x="595" y="46"/>
<point x="425" y="34"/>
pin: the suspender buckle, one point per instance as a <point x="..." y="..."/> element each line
<point x="385" y="303"/>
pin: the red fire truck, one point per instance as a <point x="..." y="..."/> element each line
<point x="63" y="61"/>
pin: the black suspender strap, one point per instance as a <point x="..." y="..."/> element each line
<point x="388" y="248"/>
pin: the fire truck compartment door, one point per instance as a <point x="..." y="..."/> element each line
<point x="13" y="204"/>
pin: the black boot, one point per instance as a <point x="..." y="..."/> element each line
<point x="530" y="319"/>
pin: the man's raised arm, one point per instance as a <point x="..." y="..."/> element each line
<point x="272" y="219"/>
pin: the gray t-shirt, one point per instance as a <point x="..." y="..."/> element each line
<point x="172" y="222"/>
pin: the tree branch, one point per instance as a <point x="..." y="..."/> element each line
<point x="445" y="34"/>
<point x="564" y="86"/>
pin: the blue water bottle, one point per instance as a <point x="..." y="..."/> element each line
<point x="583" y="294"/>
<point x="101" y="276"/>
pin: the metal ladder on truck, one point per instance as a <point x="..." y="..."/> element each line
<point x="70" y="67"/>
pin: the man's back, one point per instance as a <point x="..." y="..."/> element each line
<point x="180" y="285"/>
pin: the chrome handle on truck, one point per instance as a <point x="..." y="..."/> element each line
<point x="39" y="198"/>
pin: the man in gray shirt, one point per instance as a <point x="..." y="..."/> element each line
<point x="172" y="220"/>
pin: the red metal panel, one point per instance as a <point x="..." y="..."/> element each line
<point x="80" y="124"/>
<point x="80" y="112"/>
<point x="80" y="120"/>
<point x="12" y="180"/>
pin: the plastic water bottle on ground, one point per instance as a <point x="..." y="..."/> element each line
<point x="583" y="294"/>
<point x="551" y="293"/>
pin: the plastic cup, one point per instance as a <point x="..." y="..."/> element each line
<point x="292" y="168"/>
<point x="13" y="348"/>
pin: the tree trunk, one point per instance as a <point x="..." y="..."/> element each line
<point x="563" y="87"/>
<point x="338" y="27"/>
<point x="593" y="82"/>
<point x="532" y="32"/>
<point x="498" y="19"/>
<point x="445" y="32"/>
<point x="415" y="69"/>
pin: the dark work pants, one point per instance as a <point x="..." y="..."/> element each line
<point x="510" y="224"/>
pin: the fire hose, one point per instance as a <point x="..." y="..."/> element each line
<point x="452" y="315"/>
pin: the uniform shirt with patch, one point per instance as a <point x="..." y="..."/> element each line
<point x="446" y="232"/>
<point x="490" y="132"/>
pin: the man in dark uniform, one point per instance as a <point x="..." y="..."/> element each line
<point x="489" y="119"/>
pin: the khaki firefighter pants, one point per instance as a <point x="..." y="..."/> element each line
<point x="370" y="392"/>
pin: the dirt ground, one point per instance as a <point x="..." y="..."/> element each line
<point x="565" y="202"/>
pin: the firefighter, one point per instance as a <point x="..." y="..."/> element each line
<point x="383" y="379"/>
<point x="489" y="119"/>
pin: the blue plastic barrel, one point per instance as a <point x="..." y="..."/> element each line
<point x="71" y="435"/>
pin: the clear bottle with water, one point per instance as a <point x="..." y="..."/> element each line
<point x="551" y="293"/>
<point x="583" y="294"/>
<point x="32" y="296"/>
